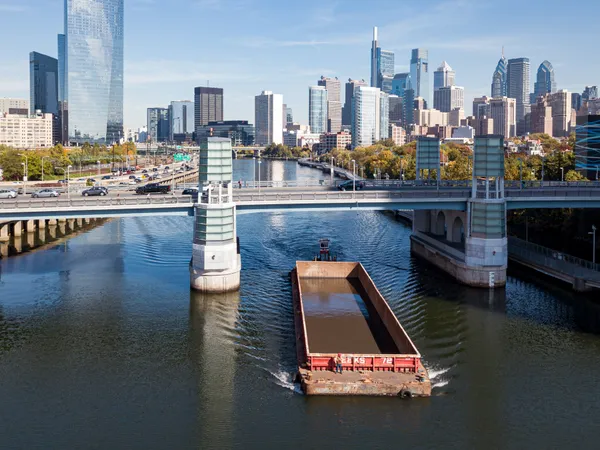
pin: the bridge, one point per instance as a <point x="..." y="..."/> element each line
<point x="460" y="226"/>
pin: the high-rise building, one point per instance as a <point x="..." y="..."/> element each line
<point x="334" y="103"/>
<point x="27" y="132"/>
<point x="94" y="70"/>
<point x="517" y="82"/>
<point x="396" y="105"/>
<point x="367" y="116"/>
<point x="561" y="113"/>
<point x="157" y="125"/>
<point x="240" y="132"/>
<point x="268" y="112"/>
<point x="43" y="84"/>
<point x="443" y="77"/>
<point x="181" y="120"/>
<point x="456" y="116"/>
<point x="545" y="83"/>
<point x="590" y="92"/>
<point x="409" y="105"/>
<point x="399" y="83"/>
<point x="317" y="109"/>
<point x="330" y="141"/>
<point x="447" y="98"/>
<point x="208" y="105"/>
<point x="43" y="88"/>
<point x="481" y="107"/>
<point x="384" y="115"/>
<point x="587" y="145"/>
<point x="576" y="101"/>
<point x="347" y="109"/>
<point x="15" y="106"/>
<point x="503" y="111"/>
<point x="541" y="116"/>
<point x="63" y="112"/>
<point x="382" y="66"/>
<point x="289" y="115"/>
<point x="419" y="74"/>
<point x="499" y="88"/>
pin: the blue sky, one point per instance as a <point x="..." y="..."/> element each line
<point x="246" y="46"/>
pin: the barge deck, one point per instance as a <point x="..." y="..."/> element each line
<point x="338" y="310"/>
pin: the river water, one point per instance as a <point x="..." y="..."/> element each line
<point x="102" y="345"/>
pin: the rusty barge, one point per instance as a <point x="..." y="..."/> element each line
<point x="340" y="314"/>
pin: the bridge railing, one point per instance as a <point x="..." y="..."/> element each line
<point x="555" y="192"/>
<point x="551" y="258"/>
<point x="87" y="202"/>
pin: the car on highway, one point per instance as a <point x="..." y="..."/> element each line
<point x="44" y="193"/>
<point x="8" y="193"/>
<point x="96" y="190"/>
<point x="190" y="191"/>
<point x="90" y="180"/>
<point x="144" y="171"/>
<point x="132" y="177"/>
<point x="153" y="188"/>
<point x="106" y="177"/>
<point x="348" y="185"/>
<point x="155" y="170"/>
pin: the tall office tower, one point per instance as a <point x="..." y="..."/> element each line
<point x="576" y="101"/>
<point x="63" y="113"/>
<point x="157" y="125"/>
<point x="334" y="103"/>
<point x="443" y="76"/>
<point x="517" y="83"/>
<point x="545" y="83"/>
<point x="289" y="115"/>
<point x="94" y="70"/>
<point x="419" y="74"/>
<point x="503" y="111"/>
<point x="481" y="107"/>
<point x="347" y="109"/>
<point x="384" y="115"/>
<point x="43" y="89"/>
<point x="366" y="121"/>
<point x="382" y="66"/>
<point x="317" y="109"/>
<point x="268" y="112"/>
<point x="561" y="113"/>
<point x="447" y="98"/>
<point x="208" y="106"/>
<point x="541" y="116"/>
<point x="587" y="145"/>
<point x="499" y="88"/>
<point x="399" y="83"/>
<point x="396" y="105"/>
<point x="181" y="120"/>
<point x="590" y="92"/>
<point x="409" y="105"/>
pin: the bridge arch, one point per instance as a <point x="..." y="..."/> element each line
<point x="439" y="227"/>
<point x="457" y="231"/>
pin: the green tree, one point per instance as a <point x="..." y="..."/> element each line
<point x="573" y="175"/>
<point x="10" y="162"/>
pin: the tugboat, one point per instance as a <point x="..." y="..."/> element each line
<point x="324" y="254"/>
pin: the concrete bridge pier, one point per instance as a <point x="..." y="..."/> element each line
<point x="4" y="232"/>
<point x="470" y="245"/>
<point x="215" y="265"/>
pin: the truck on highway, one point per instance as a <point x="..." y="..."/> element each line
<point x="153" y="188"/>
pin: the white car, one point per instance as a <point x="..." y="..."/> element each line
<point x="8" y="193"/>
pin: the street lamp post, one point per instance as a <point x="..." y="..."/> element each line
<point x="43" y="157"/>
<point x="543" y="161"/>
<point x="254" y="174"/>
<point x="259" y="163"/>
<point x="353" y="175"/>
<point x="593" y="233"/>
<point x="68" y="183"/>
<point x="98" y="163"/>
<point x="25" y="173"/>
<point x="401" y="169"/>
<point x="520" y="173"/>
<point x="331" y="163"/>
<point x="562" y="174"/>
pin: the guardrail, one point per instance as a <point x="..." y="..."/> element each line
<point x="98" y="201"/>
<point x="552" y="192"/>
<point x="554" y="259"/>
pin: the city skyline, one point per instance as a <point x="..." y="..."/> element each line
<point x="273" y="64"/>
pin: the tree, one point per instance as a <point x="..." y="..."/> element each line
<point x="573" y="175"/>
<point x="10" y="162"/>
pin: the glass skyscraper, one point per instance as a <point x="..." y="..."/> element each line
<point x="43" y="79"/>
<point x="94" y="70"/>
<point x="182" y="118"/>
<point x="317" y="109"/>
<point x="545" y="83"/>
<point x="419" y="74"/>
<point x="382" y="66"/>
<point x="499" y="78"/>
